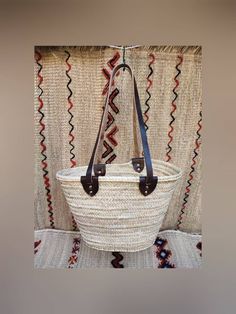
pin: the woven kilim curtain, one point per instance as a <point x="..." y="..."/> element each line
<point x="70" y="90"/>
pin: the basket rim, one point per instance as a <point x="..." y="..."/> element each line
<point x="60" y="175"/>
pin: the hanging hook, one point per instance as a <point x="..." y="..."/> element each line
<point x="123" y="48"/>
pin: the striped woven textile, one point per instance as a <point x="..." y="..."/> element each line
<point x="66" y="249"/>
<point x="70" y="90"/>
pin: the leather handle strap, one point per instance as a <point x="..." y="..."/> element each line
<point x="138" y="161"/>
<point x="103" y="124"/>
<point x="147" y="184"/>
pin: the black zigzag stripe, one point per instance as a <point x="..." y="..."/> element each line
<point x="169" y="148"/>
<point x="69" y="111"/>
<point x="189" y="183"/>
<point x="147" y="91"/>
<point x="116" y="261"/>
<point x="42" y="143"/>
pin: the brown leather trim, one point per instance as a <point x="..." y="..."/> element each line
<point x="90" y="187"/>
<point x="99" y="170"/>
<point x="138" y="164"/>
<point x="145" y="187"/>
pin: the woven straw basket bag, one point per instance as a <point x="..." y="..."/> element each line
<point x="120" y="207"/>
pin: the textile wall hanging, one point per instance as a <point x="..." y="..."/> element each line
<point x="71" y="87"/>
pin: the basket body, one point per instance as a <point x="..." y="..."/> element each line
<point x="119" y="217"/>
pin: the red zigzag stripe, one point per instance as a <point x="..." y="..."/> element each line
<point x="111" y="134"/>
<point x="189" y="181"/>
<point x="173" y="104"/>
<point x="151" y="55"/>
<point x="71" y="135"/>
<point x="70" y="106"/>
<point x="38" y="57"/>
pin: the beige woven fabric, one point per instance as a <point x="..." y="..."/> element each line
<point x="65" y="249"/>
<point x="87" y="85"/>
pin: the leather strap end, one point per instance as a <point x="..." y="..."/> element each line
<point x="99" y="170"/>
<point x="138" y="164"/>
<point x="145" y="187"/>
<point x="91" y="188"/>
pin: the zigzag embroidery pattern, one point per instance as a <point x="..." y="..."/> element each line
<point x="110" y="136"/>
<point x="151" y="55"/>
<point x="110" y="120"/>
<point x="111" y="63"/>
<point x="173" y="104"/>
<point x="110" y="159"/>
<point x="70" y="103"/>
<point x="73" y="259"/>
<point x="107" y="151"/>
<point x="116" y="261"/>
<point x="163" y="255"/>
<point x="187" y="189"/>
<point x="113" y="95"/>
<point x="38" y="57"/>
<point x="111" y="141"/>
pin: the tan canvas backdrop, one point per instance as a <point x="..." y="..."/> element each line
<point x="69" y="96"/>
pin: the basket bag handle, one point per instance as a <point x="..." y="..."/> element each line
<point x="147" y="184"/>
